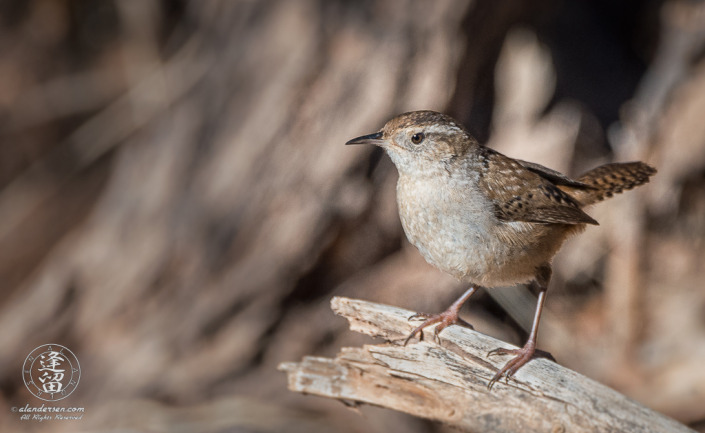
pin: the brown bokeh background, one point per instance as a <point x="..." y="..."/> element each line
<point x="177" y="206"/>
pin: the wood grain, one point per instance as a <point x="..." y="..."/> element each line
<point x="447" y="382"/>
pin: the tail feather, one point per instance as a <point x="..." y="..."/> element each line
<point x="609" y="179"/>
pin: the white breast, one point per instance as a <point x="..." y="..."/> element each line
<point x="454" y="228"/>
<point x="446" y="223"/>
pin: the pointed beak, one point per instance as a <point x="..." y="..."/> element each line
<point x="375" y="139"/>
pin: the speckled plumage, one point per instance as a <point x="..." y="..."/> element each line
<point x="484" y="217"/>
<point x="480" y="215"/>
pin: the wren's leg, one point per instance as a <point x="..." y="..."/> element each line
<point x="444" y="319"/>
<point x="526" y="353"/>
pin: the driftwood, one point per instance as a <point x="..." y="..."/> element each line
<point x="447" y="382"/>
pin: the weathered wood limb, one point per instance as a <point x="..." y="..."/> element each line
<point x="447" y="382"/>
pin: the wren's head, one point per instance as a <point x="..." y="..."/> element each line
<point x="421" y="141"/>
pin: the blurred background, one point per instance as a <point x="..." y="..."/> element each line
<point x="177" y="206"/>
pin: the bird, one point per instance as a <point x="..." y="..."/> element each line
<point x="486" y="218"/>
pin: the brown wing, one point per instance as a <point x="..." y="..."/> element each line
<point x="521" y="194"/>
<point x="555" y="177"/>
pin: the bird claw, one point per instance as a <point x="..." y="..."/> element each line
<point x="428" y="321"/>
<point x="444" y="319"/>
<point x="523" y="356"/>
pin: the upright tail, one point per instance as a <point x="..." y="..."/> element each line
<point x="609" y="179"/>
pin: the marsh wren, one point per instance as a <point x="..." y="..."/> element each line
<point x="486" y="218"/>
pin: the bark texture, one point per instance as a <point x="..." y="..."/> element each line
<point x="448" y="382"/>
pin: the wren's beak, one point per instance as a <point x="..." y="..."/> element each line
<point x="375" y="139"/>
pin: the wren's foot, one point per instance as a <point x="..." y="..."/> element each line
<point x="444" y="319"/>
<point x="523" y="355"/>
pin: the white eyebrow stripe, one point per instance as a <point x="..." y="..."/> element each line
<point x="443" y="128"/>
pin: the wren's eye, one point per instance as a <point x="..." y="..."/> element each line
<point x="417" y="138"/>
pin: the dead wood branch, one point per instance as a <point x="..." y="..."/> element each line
<point x="447" y="382"/>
